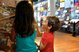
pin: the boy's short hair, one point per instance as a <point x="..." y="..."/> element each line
<point x="54" y="22"/>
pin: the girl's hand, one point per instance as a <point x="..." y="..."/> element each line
<point x="42" y="46"/>
<point x="39" y="33"/>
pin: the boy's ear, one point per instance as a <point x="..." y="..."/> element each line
<point x="49" y="27"/>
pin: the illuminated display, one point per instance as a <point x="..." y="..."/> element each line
<point x="61" y="0"/>
<point x="67" y="3"/>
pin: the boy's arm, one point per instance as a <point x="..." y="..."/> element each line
<point x="43" y="42"/>
<point x="42" y="46"/>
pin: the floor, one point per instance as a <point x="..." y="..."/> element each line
<point x="65" y="42"/>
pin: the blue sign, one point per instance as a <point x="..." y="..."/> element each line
<point x="67" y="3"/>
<point x="75" y="1"/>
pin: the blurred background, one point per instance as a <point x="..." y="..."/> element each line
<point x="66" y="38"/>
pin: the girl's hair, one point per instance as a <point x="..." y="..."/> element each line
<point x="24" y="17"/>
<point x="54" y="22"/>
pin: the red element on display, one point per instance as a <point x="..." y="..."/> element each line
<point x="77" y="4"/>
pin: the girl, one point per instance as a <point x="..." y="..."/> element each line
<point x="24" y="28"/>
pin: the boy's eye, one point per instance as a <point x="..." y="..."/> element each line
<point x="44" y="21"/>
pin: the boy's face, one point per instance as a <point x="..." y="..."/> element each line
<point x="45" y="24"/>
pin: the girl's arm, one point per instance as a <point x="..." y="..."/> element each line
<point x="13" y="34"/>
<point x="39" y="33"/>
<point x="41" y="46"/>
<point x="37" y="45"/>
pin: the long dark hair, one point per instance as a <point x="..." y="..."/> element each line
<point x="24" y="17"/>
